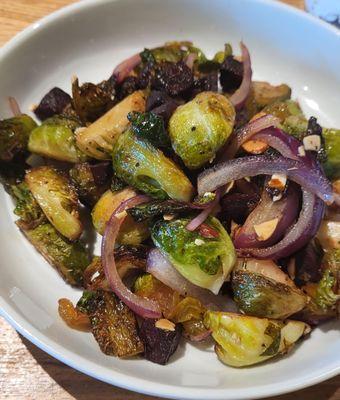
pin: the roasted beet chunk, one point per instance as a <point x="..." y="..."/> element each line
<point x="308" y="263"/>
<point x="160" y="339"/>
<point x="174" y="78"/>
<point x="237" y="206"/>
<point x="54" y="102"/>
<point x="231" y="74"/>
<point x="160" y="103"/>
<point x="208" y="83"/>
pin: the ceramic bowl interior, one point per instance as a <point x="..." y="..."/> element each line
<point x="88" y="39"/>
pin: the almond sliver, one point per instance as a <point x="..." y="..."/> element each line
<point x="265" y="230"/>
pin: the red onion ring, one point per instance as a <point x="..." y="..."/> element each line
<point x="312" y="180"/>
<point x="125" y="67"/>
<point x="202" y="216"/>
<point x="299" y="235"/>
<point x="161" y="268"/>
<point x="14" y="106"/>
<point x="143" y="307"/>
<point x="246" y="132"/>
<point x="240" y="96"/>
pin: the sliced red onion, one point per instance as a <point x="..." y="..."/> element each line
<point x="298" y="236"/>
<point x="247" y="132"/>
<point x="14" y="106"/>
<point x="240" y="96"/>
<point x="287" y="145"/>
<point x="285" y="210"/>
<point x="125" y="67"/>
<point x="141" y="306"/>
<point x="202" y="216"/>
<point x="312" y="179"/>
<point x="190" y="60"/>
<point x="161" y="268"/>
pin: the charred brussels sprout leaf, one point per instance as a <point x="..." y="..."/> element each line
<point x="199" y="128"/>
<point x="149" y="126"/>
<point x="308" y="263"/>
<point x="73" y="316"/>
<point x="131" y="232"/>
<point x="157" y="208"/>
<point x="90" y="180"/>
<point x="283" y="109"/>
<point x="242" y="340"/>
<point x="97" y="140"/>
<point x="26" y="207"/>
<point x="159" y="344"/>
<point x="57" y="198"/>
<point x="54" y="102"/>
<point x="14" y="134"/>
<point x="55" y="139"/>
<point x="206" y="262"/>
<point x="262" y="295"/>
<point x="113" y="324"/>
<point x="116" y="183"/>
<point x="146" y="168"/>
<point x="70" y="259"/>
<point x="92" y="101"/>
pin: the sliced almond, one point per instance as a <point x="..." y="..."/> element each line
<point x="266" y="229"/>
<point x="168" y="217"/>
<point x="255" y="146"/>
<point x="277" y="197"/>
<point x="258" y="115"/>
<point x="199" y="242"/>
<point x="278" y="181"/>
<point x="291" y="268"/>
<point x="234" y="227"/>
<point x="301" y="151"/>
<point x="312" y="142"/>
<point x="229" y="187"/>
<point x="165" y="324"/>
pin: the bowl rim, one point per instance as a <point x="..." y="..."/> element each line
<point x="116" y="378"/>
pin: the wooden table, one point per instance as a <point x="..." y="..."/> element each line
<point x="27" y="372"/>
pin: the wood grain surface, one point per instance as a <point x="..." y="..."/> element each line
<point x="27" y="373"/>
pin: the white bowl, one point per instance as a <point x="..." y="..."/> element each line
<point x="89" y="39"/>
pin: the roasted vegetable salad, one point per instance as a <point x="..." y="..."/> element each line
<point x="215" y="199"/>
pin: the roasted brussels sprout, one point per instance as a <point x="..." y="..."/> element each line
<point x="160" y="338"/>
<point x="57" y="198"/>
<point x="54" y="102"/>
<point x="26" y="207"/>
<point x="91" y="101"/>
<point x="266" y="94"/>
<point x="307" y="263"/>
<point x="149" y="287"/>
<point x="131" y="232"/>
<point x="70" y="259"/>
<point x="199" y="128"/>
<point x="242" y="340"/>
<point x="204" y="261"/>
<point x="283" y="109"/>
<point x="54" y="138"/>
<point x="98" y="139"/>
<point x="149" y="126"/>
<point x="262" y="289"/>
<point x="14" y="134"/>
<point x="332" y="148"/>
<point x="146" y="168"/>
<point x="91" y="180"/>
<point x="114" y="325"/>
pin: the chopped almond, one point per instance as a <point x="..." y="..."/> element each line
<point x="255" y="146"/>
<point x="336" y="186"/>
<point x="278" y="181"/>
<point x="312" y="142"/>
<point x="168" y="217"/>
<point x="234" y="227"/>
<point x="265" y="230"/>
<point x="165" y="324"/>
<point x="301" y="151"/>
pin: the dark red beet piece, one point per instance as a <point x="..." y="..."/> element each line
<point x="159" y="344"/>
<point x="208" y="83"/>
<point x="174" y="78"/>
<point x="54" y="102"/>
<point x="128" y="86"/>
<point x="231" y="74"/>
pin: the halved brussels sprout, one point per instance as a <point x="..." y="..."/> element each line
<point x="54" y="138"/>
<point x="261" y="290"/>
<point x="242" y="340"/>
<point x="146" y="168"/>
<point x="57" y="198"/>
<point x="204" y="261"/>
<point x="14" y="134"/>
<point x="283" y="109"/>
<point x="131" y="232"/>
<point x="98" y="139"/>
<point x="199" y="128"/>
<point x="332" y="147"/>
<point x="70" y="259"/>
